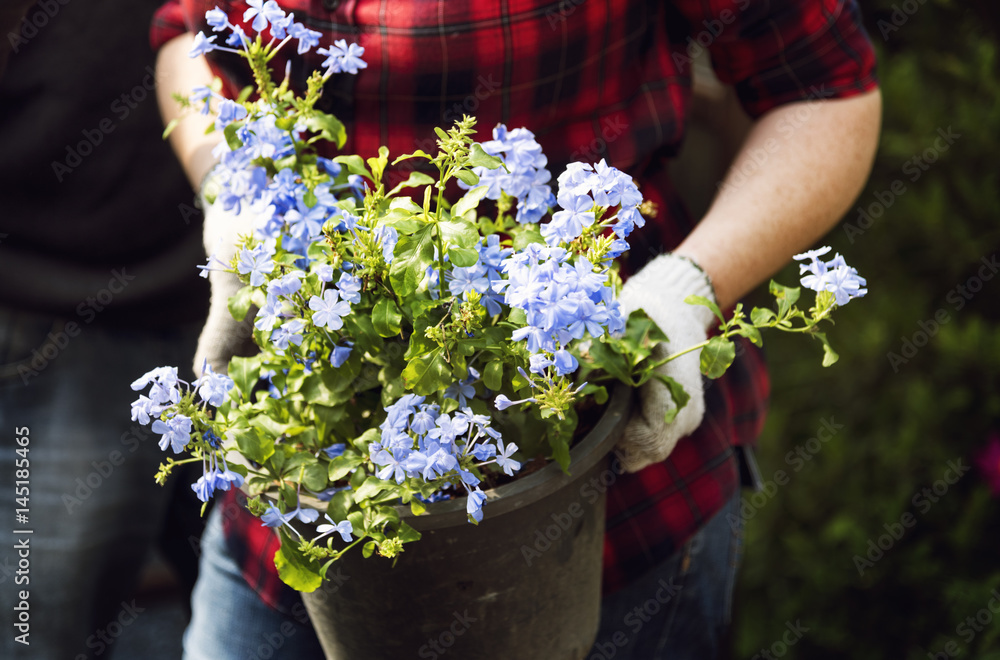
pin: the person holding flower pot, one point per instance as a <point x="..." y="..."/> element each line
<point x="591" y="83"/>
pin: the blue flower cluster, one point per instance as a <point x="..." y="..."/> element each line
<point x="525" y="177"/>
<point x="586" y="193"/>
<point x="562" y="300"/>
<point x="175" y="432"/>
<point x="834" y="276"/>
<point x="418" y="441"/>
<point x="480" y="277"/>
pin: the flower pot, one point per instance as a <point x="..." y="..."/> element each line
<point x="525" y="583"/>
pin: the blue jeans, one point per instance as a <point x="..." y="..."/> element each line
<point x="680" y="609"/>
<point x="93" y="506"/>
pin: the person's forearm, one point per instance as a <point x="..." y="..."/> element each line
<point x="799" y="170"/>
<point x="176" y="72"/>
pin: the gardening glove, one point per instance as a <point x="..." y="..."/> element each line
<point x="222" y="337"/>
<point x="660" y="289"/>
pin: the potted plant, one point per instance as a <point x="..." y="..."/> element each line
<point x="417" y="353"/>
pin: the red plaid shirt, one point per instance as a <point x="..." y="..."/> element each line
<point x="592" y="79"/>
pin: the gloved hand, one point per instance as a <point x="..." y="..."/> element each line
<point x="660" y="288"/>
<point x="222" y="337"/>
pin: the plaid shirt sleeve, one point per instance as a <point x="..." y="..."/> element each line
<point x="592" y="81"/>
<point x="784" y="50"/>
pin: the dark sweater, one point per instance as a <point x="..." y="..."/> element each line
<point x="97" y="222"/>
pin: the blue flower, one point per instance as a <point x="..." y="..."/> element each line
<point x="308" y="39"/>
<point x="256" y="262"/>
<point x="504" y="460"/>
<point x="388" y="236"/>
<point x="229" y="111"/>
<point x="474" y="505"/>
<point x="199" y="95"/>
<point x="176" y="432"/>
<point x="216" y="19"/>
<point x="335" y="450"/>
<point x="268" y="315"/>
<point x="290" y="332"/>
<point x="202" y="45"/>
<point x="329" y="310"/>
<point x="344" y="528"/>
<point x="213" y="387"/>
<point x="350" y="288"/>
<point x="343" y="58"/>
<point x="142" y="408"/>
<point x="286" y="285"/>
<point x="340" y="354"/>
<point x="262" y="13"/>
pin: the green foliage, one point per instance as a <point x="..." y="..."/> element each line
<point x="915" y="388"/>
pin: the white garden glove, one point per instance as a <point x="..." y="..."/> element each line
<point x="660" y="288"/>
<point x="222" y="337"/>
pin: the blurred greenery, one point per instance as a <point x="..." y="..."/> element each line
<point x="904" y="421"/>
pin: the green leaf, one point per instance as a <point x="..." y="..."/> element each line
<point x="245" y="372"/>
<point x="239" y="304"/>
<point x="229" y="132"/>
<point x="328" y="126"/>
<point x="677" y="393"/>
<point x="269" y="426"/>
<point x="370" y="488"/>
<point x="341" y="466"/>
<point x="460" y="232"/>
<point x="705" y="302"/>
<point x="616" y="364"/>
<point x="294" y="570"/>
<point x="314" y="477"/>
<point x="386" y="318"/>
<point x="479" y="158"/>
<point x="427" y="374"/>
<point x="415" y="179"/>
<point x="493" y="375"/>
<point x="761" y="316"/>
<point x="379" y="162"/>
<point x="340" y="504"/>
<point x="560" y="452"/>
<point x="467" y="177"/>
<point x="355" y="165"/>
<point x="529" y="234"/>
<point x="717" y="356"/>
<point x="786" y="297"/>
<point x="411" y="257"/>
<point x="463" y="257"/>
<point x="416" y="154"/>
<point x="469" y="201"/>
<point x="830" y="356"/>
<point x="252" y="445"/>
